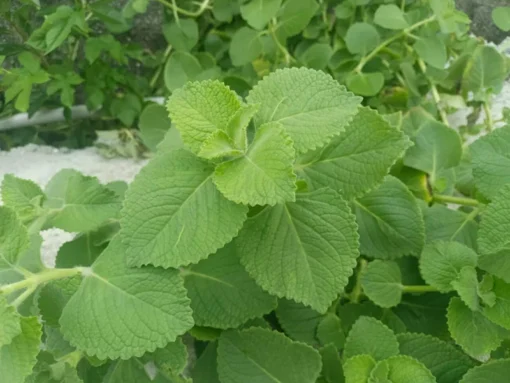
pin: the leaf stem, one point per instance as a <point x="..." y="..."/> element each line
<point x="201" y="9"/>
<point x="156" y="76"/>
<point x="23" y="296"/>
<point x="357" y="292"/>
<point x="489" y="123"/>
<point x="387" y="42"/>
<point x="456" y="200"/>
<point x="287" y="55"/>
<point x="419" y="289"/>
<point x="435" y="94"/>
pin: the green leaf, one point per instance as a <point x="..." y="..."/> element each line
<point x="295" y="15"/>
<point x="497" y="263"/>
<point x="222" y="293"/>
<point x="126" y="108"/>
<point x="329" y="331"/>
<point x="225" y="10"/>
<point x="490" y="156"/>
<point x="495" y="371"/>
<point x="446" y="362"/>
<point x="310" y="105"/>
<point x="316" y="56"/>
<point x="501" y="17"/>
<point x="265" y="356"/>
<point x="485" y="70"/>
<point x="14" y="241"/>
<point x="432" y="50"/>
<point x="362" y="38"/>
<point x="473" y="331"/>
<point x="173" y="358"/>
<point x="205" y="370"/>
<point x="436" y="147"/>
<point x="18" y="358"/>
<point x="132" y="310"/>
<point x="200" y="108"/>
<point x="351" y="153"/>
<point x="441" y="262"/>
<point x="245" y="47"/>
<point x="499" y="313"/>
<point x="493" y="234"/>
<point x="403" y="369"/>
<point x="9" y="322"/>
<point x="357" y="369"/>
<point x="390" y="221"/>
<point x="332" y="370"/>
<point x="368" y="336"/>
<point x="112" y="18"/>
<point x="264" y="175"/>
<point x="23" y="196"/>
<point x="466" y="285"/>
<point x="153" y="124"/>
<point x="182" y="36"/>
<point x="298" y="321"/>
<point x="218" y="145"/>
<point x="390" y="16"/>
<point x="382" y="283"/>
<point x="79" y="203"/>
<point x="53" y="297"/>
<point x="258" y="13"/>
<point x="127" y="371"/>
<point x="287" y="256"/>
<point x="182" y="220"/>
<point x="442" y="223"/>
<point x="238" y="124"/>
<point x="180" y="68"/>
<point x="365" y="84"/>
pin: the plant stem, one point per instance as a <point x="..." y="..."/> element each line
<point x="201" y="9"/>
<point x="44" y="276"/>
<point x="419" y="289"/>
<point x="488" y="117"/>
<point x="456" y="200"/>
<point x="356" y="292"/>
<point x="287" y="55"/>
<point x="387" y="42"/>
<point x="155" y="78"/>
<point x="19" y="300"/>
<point x="435" y="94"/>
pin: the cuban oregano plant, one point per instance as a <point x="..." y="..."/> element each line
<point x="294" y="237"/>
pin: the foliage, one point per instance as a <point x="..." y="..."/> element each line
<point x="275" y="242"/>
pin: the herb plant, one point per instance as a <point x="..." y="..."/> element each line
<point x="295" y="236"/>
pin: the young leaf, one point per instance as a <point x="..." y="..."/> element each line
<point x="17" y="359"/>
<point x="501" y="17"/>
<point x="311" y="105"/>
<point x="173" y="358"/>
<point x="153" y="124"/>
<point x="173" y="215"/>
<point x="263" y="355"/>
<point x="495" y="371"/>
<point x="218" y="145"/>
<point x="485" y="70"/>
<point x="23" y="196"/>
<point x="352" y="154"/>
<point x="446" y="362"/>
<point x="361" y="340"/>
<point x="493" y="234"/>
<point x="497" y="263"/>
<point x="13" y="241"/>
<point x="9" y="322"/>
<point x="403" y="369"/>
<point x="295" y="15"/>
<point x="182" y="36"/>
<point x="382" y="283"/>
<point x="258" y="13"/>
<point x="390" y="16"/>
<point x="282" y="250"/>
<point x="499" y="313"/>
<point x="329" y="331"/>
<point x="238" y="124"/>
<point x="246" y="46"/>
<point x="390" y="221"/>
<point x="221" y="279"/>
<point x="466" y="285"/>
<point x="490" y="156"/>
<point x="441" y="263"/>
<point x="79" y="203"/>
<point x="362" y="38"/>
<point x="200" y="108"/>
<point x="298" y="321"/>
<point x="358" y="368"/>
<point x="473" y="331"/>
<point x="132" y="310"/>
<point x="264" y="175"/>
<point x="365" y="84"/>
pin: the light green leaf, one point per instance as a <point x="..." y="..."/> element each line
<point x="329" y="331"/>
<point x="436" y="147"/>
<point x="264" y="175"/>
<point x="466" y="285"/>
<point x="432" y="50"/>
<point x="357" y="369"/>
<point x="501" y="17"/>
<point x="332" y="370"/>
<point x="404" y="369"/>
<point x="182" y="36"/>
<point x="218" y="145"/>
<point x="131" y="310"/>
<point x="153" y="124"/>
<point x="298" y="321"/>
<point x="79" y="203"/>
<point x="362" y="38"/>
<point x="13" y="240"/>
<point x="485" y="70"/>
<point x="390" y="221"/>
<point x="442" y="223"/>
<point x="497" y="263"/>
<point x="382" y="283"/>
<point x="9" y="322"/>
<point x="362" y="340"/>
<point x="344" y="10"/>
<point x="245" y="47"/>
<point x="222" y="293"/>
<point x="365" y="84"/>
<point x="180" y="68"/>
<point x="200" y="108"/>
<point x="390" y="16"/>
<point x="173" y="358"/>
<point x="446" y="362"/>
<point x="499" y="313"/>
<point x="18" y="358"/>
<point x="495" y="371"/>
<point x="265" y="356"/>
<point x="238" y="124"/>
<point x="53" y="297"/>
<point x="258" y="13"/>
<point x="23" y="196"/>
<point x="351" y="153"/>
<point x="490" y="156"/>
<point x="473" y="331"/>
<point x="441" y="262"/>
<point x="295" y="15"/>
<point x="311" y="105"/>
<point x="180" y="221"/>
<point x="284" y="252"/>
<point x="493" y="234"/>
<point x="316" y="56"/>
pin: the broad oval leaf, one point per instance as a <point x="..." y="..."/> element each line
<point x="154" y="124"/>
<point x="365" y="84"/>
<point x="493" y="234"/>
<point x="182" y="36"/>
<point x="495" y="371"/>
<point x="246" y="46"/>
<point x="485" y="70"/>
<point x="382" y="283"/>
<point x="390" y="16"/>
<point x="362" y="38"/>
<point x="258" y="13"/>
<point x="501" y="17"/>
<point x="295" y="15"/>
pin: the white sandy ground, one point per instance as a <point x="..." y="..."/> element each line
<point x="40" y="163"/>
